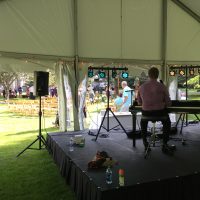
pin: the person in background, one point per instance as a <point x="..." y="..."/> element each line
<point x="56" y="123"/>
<point x="107" y="90"/>
<point x="55" y="91"/>
<point x="127" y="93"/>
<point x="31" y="91"/>
<point x="154" y="98"/>
<point x="91" y="95"/>
<point x="118" y="102"/>
<point x="20" y="91"/>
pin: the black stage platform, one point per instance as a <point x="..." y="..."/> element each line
<point x="159" y="176"/>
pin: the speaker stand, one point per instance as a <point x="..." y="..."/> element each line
<point x="40" y="138"/>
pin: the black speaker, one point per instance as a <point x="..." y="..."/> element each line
<point x="41" y="83"/>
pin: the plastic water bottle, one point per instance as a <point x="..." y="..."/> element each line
<point x="121" y="177"/>
<point x="108" y="175"/>
<point x="71" y="144"/>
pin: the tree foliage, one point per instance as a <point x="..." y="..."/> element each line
<point x="6" y="80"/>
<point x="194" y="82"/>
<point x="52" y="81"/>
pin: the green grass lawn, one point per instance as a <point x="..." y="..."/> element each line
<point x="33" y="175"/>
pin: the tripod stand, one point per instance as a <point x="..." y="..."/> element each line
<point x="40" y="137"/>
<point x="108" y="109"/>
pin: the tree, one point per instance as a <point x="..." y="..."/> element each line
<point x="6" y="80"/>
<point x="194" y="82"/>
<point x="52" y="81"/>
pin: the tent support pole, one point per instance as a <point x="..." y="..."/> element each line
<point x="187" y="10"/>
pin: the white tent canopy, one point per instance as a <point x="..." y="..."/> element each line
<point x="114" y="29"/>
<point x="41" y="34"/>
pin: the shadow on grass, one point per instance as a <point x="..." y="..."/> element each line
<point x="16" y="115"/>
<point x="20" y="115"/>
<point x="35" y="131"/>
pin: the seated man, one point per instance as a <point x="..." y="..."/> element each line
<point x="154" y="98"/>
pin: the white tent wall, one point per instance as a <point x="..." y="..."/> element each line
<point x="37" y="27"/>
<point x="183" y="35"/>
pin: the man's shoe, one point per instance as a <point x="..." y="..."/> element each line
<point x="172" y="147"/>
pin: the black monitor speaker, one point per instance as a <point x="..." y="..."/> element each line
<point x="41" y="83"/>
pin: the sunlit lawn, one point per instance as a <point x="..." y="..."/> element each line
<point x="33" y="175"/>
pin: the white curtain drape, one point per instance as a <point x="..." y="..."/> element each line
<point x="82" y="96"/>
<point x="71" y="97"/>
<point x="71" y="72"/>
<point x="62" y="100"/>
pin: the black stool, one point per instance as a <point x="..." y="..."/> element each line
<point x="154" y="136"/>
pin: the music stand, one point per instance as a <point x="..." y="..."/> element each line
<point x="40" y="137"/>
<point x="108" y="109"/>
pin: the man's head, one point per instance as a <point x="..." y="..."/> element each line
<point x="153" y="73"/>
<point x="124" y="84"/>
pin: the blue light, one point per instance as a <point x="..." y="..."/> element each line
<point x="102" y="74"/>
<point x="90" y="73"/>
<point x="125" y="75"/>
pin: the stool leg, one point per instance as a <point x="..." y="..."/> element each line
<point x="154" y="134"/>
<point x="152" y="140"/>
<point x="147" y="150"/>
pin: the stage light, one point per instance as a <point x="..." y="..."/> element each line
<point x="102" y="74"/>
<point x="172" y="72"/>
<point x="182" y="72"/>
<point x="191" y="71"/>
<point x="114" y="73"/>
<point x="125" y="74"/>
<point x="90" y="73"/>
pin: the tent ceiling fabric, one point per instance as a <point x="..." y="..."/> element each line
<point x="114" y="29"/>
<point x="123" y="35"/>
<point x="37" y="27"/>
<point x="183" y="35"/>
